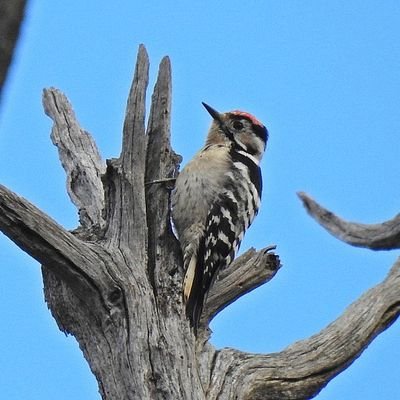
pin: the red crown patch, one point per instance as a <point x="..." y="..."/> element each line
<point x="250" y="117"/>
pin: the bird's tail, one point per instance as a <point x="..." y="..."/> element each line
<point x="193" y="293"/>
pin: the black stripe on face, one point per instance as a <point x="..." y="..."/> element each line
<point x="254" y="169"/>
<point x="252" y="150"/>
<point x="259" y="130"/>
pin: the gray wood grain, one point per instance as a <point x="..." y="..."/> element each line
<point x="79" y="157"/>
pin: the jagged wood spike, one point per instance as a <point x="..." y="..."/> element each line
<point x="125" y="176"/>
<point x="79" y="157"/>
<point x="161" y="163"/>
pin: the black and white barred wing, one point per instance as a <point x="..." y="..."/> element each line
<point x="228" y="219"/>
<point x="223" y="233"/>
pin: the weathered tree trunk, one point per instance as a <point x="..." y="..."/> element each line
<point x="115" y="282"/>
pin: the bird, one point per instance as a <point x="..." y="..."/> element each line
<point x="216" y="197"/>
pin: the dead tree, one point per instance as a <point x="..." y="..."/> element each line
<point x="115" y="282"/>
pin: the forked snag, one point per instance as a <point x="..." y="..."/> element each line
<point x="115" y="282"/>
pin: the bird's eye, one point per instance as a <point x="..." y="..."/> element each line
<point x="238" y="125"/>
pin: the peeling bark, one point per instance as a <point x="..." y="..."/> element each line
<point x="115" y="281"/>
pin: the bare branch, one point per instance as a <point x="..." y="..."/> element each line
<point x="124" y="179"/>
<point x="304" y="368"/>
<point x="384" y="236"/>
<point x="49" y="243"/>
<point x="162" y="163"/>
<point x="134" y="140"/>
<point x="249" y="271"/>
<point x="79" y="156"/>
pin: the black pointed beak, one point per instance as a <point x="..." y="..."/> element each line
<point x="214" y="113"/>
<point x="217" y="117"/>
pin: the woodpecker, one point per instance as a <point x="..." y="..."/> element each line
<point x="216" y="197"/>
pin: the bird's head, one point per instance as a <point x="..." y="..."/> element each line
<point x="238" y="128"/>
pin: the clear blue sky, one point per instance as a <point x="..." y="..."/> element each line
<point x="325" y="79"/>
